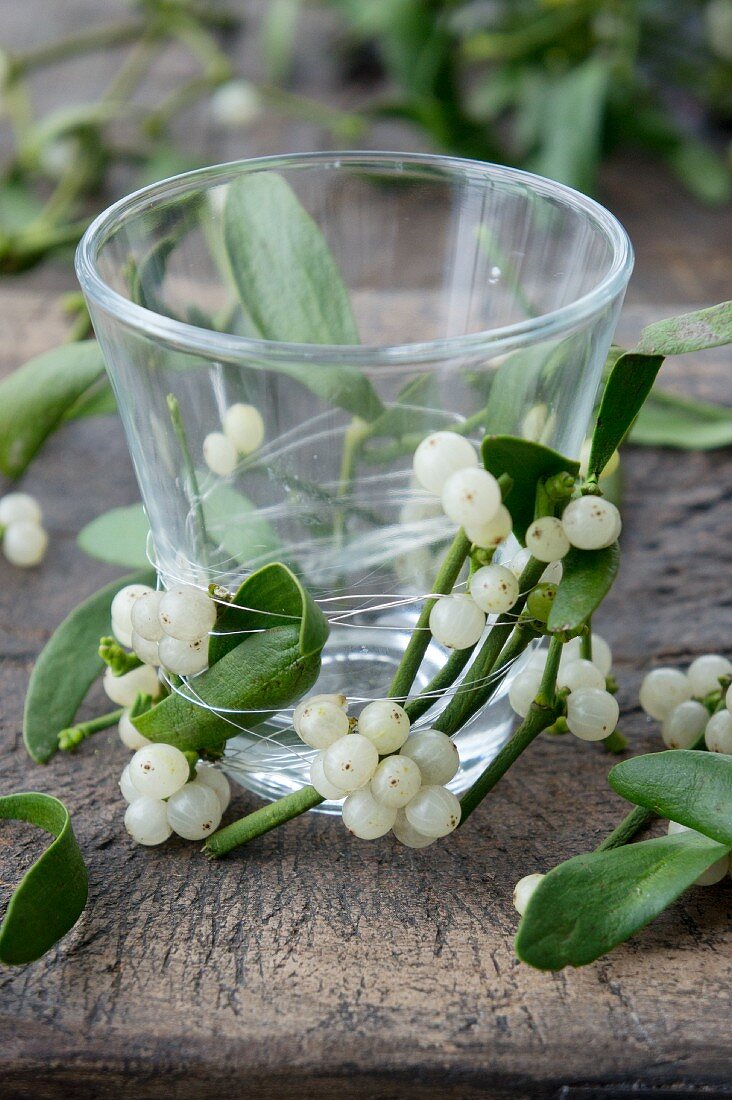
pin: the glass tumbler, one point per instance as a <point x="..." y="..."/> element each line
<point x="482" y="300"/>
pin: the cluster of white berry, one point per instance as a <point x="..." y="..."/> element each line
<point x="168" y="628"/>
<point x="676" y="700"/>
<point x="592" y="712"/>
<point x="389" y="778"/>
<point x="163" y="798"/>
<point x="24" y="539"/>
<point x="242" y="434"/>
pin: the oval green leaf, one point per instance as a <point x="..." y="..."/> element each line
<point x="587" y="577"/>
<point x="670" y="420"/>
<point x="526" y="463"/>
<point x="118" y="536"/>
<point x="67" y="667"/>
<point x="271" y="597"/>
<point x="51" y="896"/>
<point x="590" y="904"/>
<point x="35" y="399"/>
<point x="263" y="673"/>
<point x="629" y="383"/>
<point x="704" y="328"/>
<point x="296" y="293"/>
<point x="691" y="787"/>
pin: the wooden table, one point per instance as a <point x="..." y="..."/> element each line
<point x="308" y="965"/>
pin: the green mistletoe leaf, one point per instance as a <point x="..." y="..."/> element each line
<point x="252" y="677"/>
<point x="526" y="463"/>
<point x="37" y="397"/>
<point x="587" y="576"/>
<point x="50" y="897"/>
<point x="291" y="288"/>
<point x="704" y="328"/>
<point x="693" y="788"/>
<point x="588" y="905"/>
<point x="629" y="383"/>
<point x="670" y="420"/>
<point x="67" y="667"/>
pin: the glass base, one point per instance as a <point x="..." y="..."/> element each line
<point x="271" y="761"/>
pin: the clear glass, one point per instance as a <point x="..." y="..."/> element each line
<point x="485" y="299"/>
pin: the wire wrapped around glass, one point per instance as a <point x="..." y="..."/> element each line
<point x="282" y="333"/>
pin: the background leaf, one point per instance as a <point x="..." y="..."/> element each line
<point x="669" y="420"/>
<point x="586" y="579"/>
<point x="704" y="328"/>
<point x="118" y="536"/>
<point x="526" y="463"/>
<point x="693" y="788"/>
<point x="571" y="110"/>
<point x="588" y="905"/>
<point x="51" y="896"/>
<point x="629" y="383"/>
<point x="35" y="398"/>
<point x="67" y="667"/>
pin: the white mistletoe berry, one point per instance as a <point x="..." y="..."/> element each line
<point x="220" y="454"/>
<point x="213" y="777"/>
<point x="705" y="672"/>
<point x="592" y="713"/>
<point x="146" y="820"/>
<point x="129" y="735"/>
<point x="396" y="781"/>
<point x="322" y="784"/>
<point x="129" y="791"/>
<point x="184" y="658"/>
<point x="123" y="690"/>
<point x="385" y="724"/>
<point x="24" y="543"/>
<point x="601" y="653"/>
<point x="121" y="610"/>
<point x="440" y="455"/>
<point x="456" y="621"/>
<point x="244" y="426"/>
<point x="524" y="688"/>
<point x="15" y="507"/>
<point x="407" y="835"/>
<point x="435" y="754"/>
<point x="718" y="732"/>
<point x="145" y="616"/>
<point x="489" y="534"/>
<point x="159" y="770"/>
<point x="547" y="540"/>
<point x="350" y="762"/>
<point x="145" y="650"/>
<point x="365" y="817"/>
<point x="471" y="497"/>
<point x="683" y="726"/>
<point x="194" y="811"/>
<point x="187" y="613"/>
<point x="320" y="722"/>
<point x="662" y="690"/>
<point x="523" y="891"/>
<point x="494" y="589"/>
<point x="236" y="104"/>
<point x="591" y="523"/>
<point x="580" y="674"/>
<point x="434" y="811"/>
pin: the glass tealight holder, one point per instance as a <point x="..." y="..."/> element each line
<point x="484" y="300"/>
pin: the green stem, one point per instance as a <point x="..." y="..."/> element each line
<point x="542" y="714"/>
<point x="96" y="38"/>
<point x="616" y="742"/>
<point x="71" y="738"/>
<point x="626" y="830"/>
<point x="505" y="642"/>
<point x="439" y="683"/>
<point x="421" y="636"/>
<point x="194" y="493"/>
<point x="261" y="821"/>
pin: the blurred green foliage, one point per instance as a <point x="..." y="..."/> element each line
<point x="554" y="85"/>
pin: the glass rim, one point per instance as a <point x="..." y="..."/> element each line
<point x="209" y="343"/>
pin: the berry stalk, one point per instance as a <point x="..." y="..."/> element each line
<point x="70" y="739"/>
<point x="261" y="821"/>
<point x="542" y="714"/>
